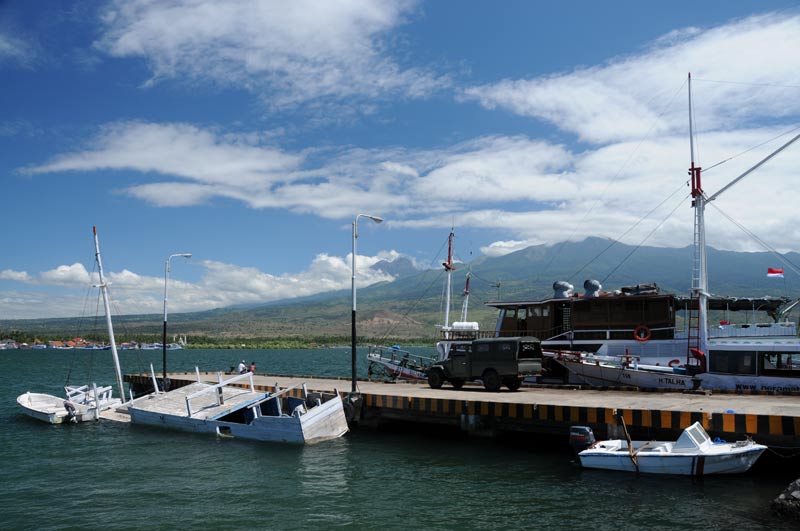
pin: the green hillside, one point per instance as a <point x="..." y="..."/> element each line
<point x="411" y="306"/>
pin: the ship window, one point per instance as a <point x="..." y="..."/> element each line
<point x="780" y="364"/>
<point x="732" y="362"/>
<point x="545" y="311"/>
<point x="535" y="311"/>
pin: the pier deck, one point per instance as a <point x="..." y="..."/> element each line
<point x="770" y="419"/>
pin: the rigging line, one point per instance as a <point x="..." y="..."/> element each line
<point x="404" y="316"/>
<point x="619" y="171"/>
<point x="80" y="325"/>
<point x="790" y="131"/>
<point x="722" y="82"/>
<point x="615" y="241"/>
<point x="761" y="242"/>
<point x="645" y="239"/>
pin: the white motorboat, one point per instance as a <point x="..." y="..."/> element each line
<point x="233" y="411"/>
<point x="82" y="404"/>
<point x="693" y="454"/>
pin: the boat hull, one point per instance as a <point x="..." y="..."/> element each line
<point x="51" y="409"/>
<point x="324" y="422"/>
<point x="734" y="462"/>
<point x="600" y="374"/>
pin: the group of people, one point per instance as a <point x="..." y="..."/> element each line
<point x="242" y="367"/>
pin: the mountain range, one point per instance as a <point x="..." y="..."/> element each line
<point x="411" y="305"/>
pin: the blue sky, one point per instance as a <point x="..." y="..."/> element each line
<point x="251" y="133"/>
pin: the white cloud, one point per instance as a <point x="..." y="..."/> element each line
<point x="221" y="285"/>
<point x="15" y="51"/>
<point x="625" y="99"/>
<point x="501" y="248"/>
<point x="17" y="276"/>
<point x="289" y="53"/>
<point x="66" y="275"/>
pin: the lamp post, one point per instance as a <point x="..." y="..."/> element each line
<point x="164" y="333"/>
<point x="376" y="219"/>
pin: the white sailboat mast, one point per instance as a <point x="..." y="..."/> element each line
<point x="448" y="266"/>
<point x="466" y="302"/>
<point x="699" y="265"/>
<point x="104" y="289"/>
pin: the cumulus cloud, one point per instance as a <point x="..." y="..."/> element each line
<point x="66" y="275"/>
<point x="221" y="285"/>
<point x="625" y="98"/>
<point x="303" y="51"/>
<point x="17" y="276"/>
<point x="624" y="185"/>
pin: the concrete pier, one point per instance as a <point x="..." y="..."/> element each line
<point x="773" y="420"/>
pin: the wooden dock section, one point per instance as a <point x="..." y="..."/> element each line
<point x="773" y="420"/>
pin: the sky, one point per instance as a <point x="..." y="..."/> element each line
<point x="251" y="134"/>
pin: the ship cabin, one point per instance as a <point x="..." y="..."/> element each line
<point x="630" y="313"/>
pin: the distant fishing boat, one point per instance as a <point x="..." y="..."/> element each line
<point x="81" y="403"/>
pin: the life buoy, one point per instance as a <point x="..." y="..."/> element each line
<point x="674" y="363"/>
<point x="641" y="333"/>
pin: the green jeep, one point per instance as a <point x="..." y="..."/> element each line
<point x="497" y="361"/>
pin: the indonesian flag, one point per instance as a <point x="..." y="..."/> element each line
<point x="771" y="272"/>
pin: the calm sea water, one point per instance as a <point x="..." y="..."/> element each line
<point x="108" y="476"/>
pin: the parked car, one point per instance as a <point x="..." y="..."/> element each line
<point x="496" y="362"/>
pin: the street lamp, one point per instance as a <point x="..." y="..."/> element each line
<point x="164" y="334"/>
<point x="376" y="219"/>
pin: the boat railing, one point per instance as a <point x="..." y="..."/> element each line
<point x="84" y="394"/>
<point x="217" y="389"/>
<point x="785" y="328"/>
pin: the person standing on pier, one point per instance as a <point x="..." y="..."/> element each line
<point x="241" y="368"/>
<point x="253" y="367"/>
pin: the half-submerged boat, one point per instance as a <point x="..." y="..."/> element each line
<point x="233" y="411"/>
<point x="81" y="403"/>
<point x="693" y="454"/>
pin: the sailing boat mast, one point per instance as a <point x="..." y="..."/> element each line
<point x="104" y="289"/>
<point x="700" y="268"/>
<point x="448" y="266"/>
<point x="466" y="301"/>
<point x="699" y="263"/>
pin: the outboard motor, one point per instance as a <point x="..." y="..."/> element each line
<point x="562" y="289"/>
<point x="592" y="288"/>
<point x="580" y="438"/>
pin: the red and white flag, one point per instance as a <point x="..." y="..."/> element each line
<point x="772" y="272"/>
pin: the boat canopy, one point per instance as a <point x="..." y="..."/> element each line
<point x="771" y="305"/>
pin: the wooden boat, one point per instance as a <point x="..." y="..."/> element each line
<point x="233" y="411"/>
<point x="693" y="454"/>
<point x="394" y="363"/>
<point x="604" y="371"/>
<point x="82" y="404"/>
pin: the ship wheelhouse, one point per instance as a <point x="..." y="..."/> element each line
<point x="596" y="318"/>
